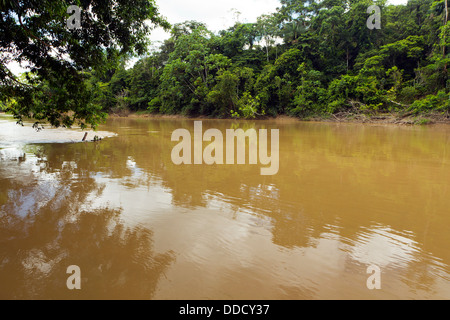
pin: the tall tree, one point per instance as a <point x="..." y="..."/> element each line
<point x="268" y="31"/>
<point x="37" y="33"/>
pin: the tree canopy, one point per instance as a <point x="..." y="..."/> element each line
<point x="60" y="58"/>
<point x="308" y="58"/>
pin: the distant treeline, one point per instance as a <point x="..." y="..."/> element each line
<point x="308" y="58"/>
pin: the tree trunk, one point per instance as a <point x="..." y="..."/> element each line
<point x="347" y="59"/>
<point x="444" y="50"/>
<point x="445" y="16"/>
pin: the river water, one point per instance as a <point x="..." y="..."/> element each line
<point x="346" y="197"/>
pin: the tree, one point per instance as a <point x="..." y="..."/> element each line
<point x="328" y="62"/>
<point x="294" y="17"/>
<point x="190" y="73"/>
<point x="60" y="58"/>
<point x="234" y="41"/>
<point x="267" y="30"/>
<point x="144" y="81"/>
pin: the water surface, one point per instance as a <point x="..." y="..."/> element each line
<point x="139" y="227"/>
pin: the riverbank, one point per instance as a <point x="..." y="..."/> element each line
<point x="390" y="118"/>
<point x="344" y="117"/>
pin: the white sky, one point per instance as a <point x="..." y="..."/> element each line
<point x="218" y="15"/>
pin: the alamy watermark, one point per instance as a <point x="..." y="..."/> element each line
<point x="235" y="139"/>
<point x="374" y="21"/>
<point x="74" y="281"/>
<point x="74" y="21"/>
<point x="374" y="281"/>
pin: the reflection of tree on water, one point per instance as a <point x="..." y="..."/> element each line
<point x="323" y="175"/>
<point x="331" y="178"/>
<point x="320" y="186"/>
<point x="46" y="226"/>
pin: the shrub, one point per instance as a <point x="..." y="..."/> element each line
<point x="154" y="105"/>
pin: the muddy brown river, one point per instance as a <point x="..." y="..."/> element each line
<point x="347" y="197"/>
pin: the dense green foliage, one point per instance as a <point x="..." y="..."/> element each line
<point x="308" y="58"/>
<point x="37" y="33"/>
